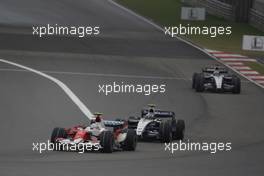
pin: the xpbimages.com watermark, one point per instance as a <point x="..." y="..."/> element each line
<point x="56" y="30"/>
<point x="212" y="31"/>
<point x="117" y="88"/>
<point x="211" y="147"/>
<point x="41" y="147"/>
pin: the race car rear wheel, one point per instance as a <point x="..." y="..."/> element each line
<point x="130" y="143"/>
<point x="180" y="128"/>
<point x="107" y="141"/>
<point x="132" y="122"/>
<point x="165" y="131"/>
<point x="237" y="85"/>
<point x="57" y="133"/>
<point x="199" y="83"/>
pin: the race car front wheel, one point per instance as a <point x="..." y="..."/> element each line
<point x="237" y="85"/>
<point x="194" y="80"/>
<point x="199" y="83"/>
<point x="165" y="131"/>
<point x="180" y="128"/>
<point x="57" y="133"/>
<point x="107" y="141"/>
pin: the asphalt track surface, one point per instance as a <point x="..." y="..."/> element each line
<point x="127" y="50"/>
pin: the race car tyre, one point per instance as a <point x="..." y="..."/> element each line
<point x="57" y="133"/>
<point x="194" y="80"/>
<point x="133" y="118"/>
<point x="130" y="142"/>
<point x="237" y="85"/>
<point x="142" y="113"/>
<point x="107" y="141"/>
<point x="165" y="131"/>
<point x="132" y="122"/>
<point x="180" y="128"/>
<point x="199" y="83"/>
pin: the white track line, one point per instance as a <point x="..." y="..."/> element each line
<point x="63" y="86"/>
<point x="207" y="52"/>
<point x="100" y="74"/>
<point x="136" y="15"/>
<point x="104" y="75"/>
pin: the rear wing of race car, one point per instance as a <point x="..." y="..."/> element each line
<point x="159" y="113"/>
<point x="113" y="123"/>
<point x="212" y="69"/>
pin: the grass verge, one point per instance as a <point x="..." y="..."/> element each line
<point x="167" y="13"/>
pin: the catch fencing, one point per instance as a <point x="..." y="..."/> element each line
<point x="224" y="9"/>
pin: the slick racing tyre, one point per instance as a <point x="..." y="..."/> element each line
<point x="133" y="118"/>
<point x="180" y="128"/>
<point x="132" y="122"/>
<point x="57" y="133"/>
<point x="130" y="142"/>
<point x="199" y="83"/>
<point x="143" y="113"/>
<point x="107" y="141"/>
<point x="165" y="131"/>
<point x="237" y="85"/>
<point x="194" y="80"/>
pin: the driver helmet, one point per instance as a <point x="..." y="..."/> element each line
<point x="151" y="107"/>
<point x="98" y="117"/>
<point x="151" y="110"/>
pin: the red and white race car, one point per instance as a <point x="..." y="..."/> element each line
<point x="105" y="136"/>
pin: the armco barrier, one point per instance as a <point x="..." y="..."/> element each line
<point x="256" y="19"/>
<point x="217" y="8"/>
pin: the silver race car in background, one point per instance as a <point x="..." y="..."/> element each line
<point x="216" y="79"/>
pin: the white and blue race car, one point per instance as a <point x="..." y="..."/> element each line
<point x="157" y="124"/>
